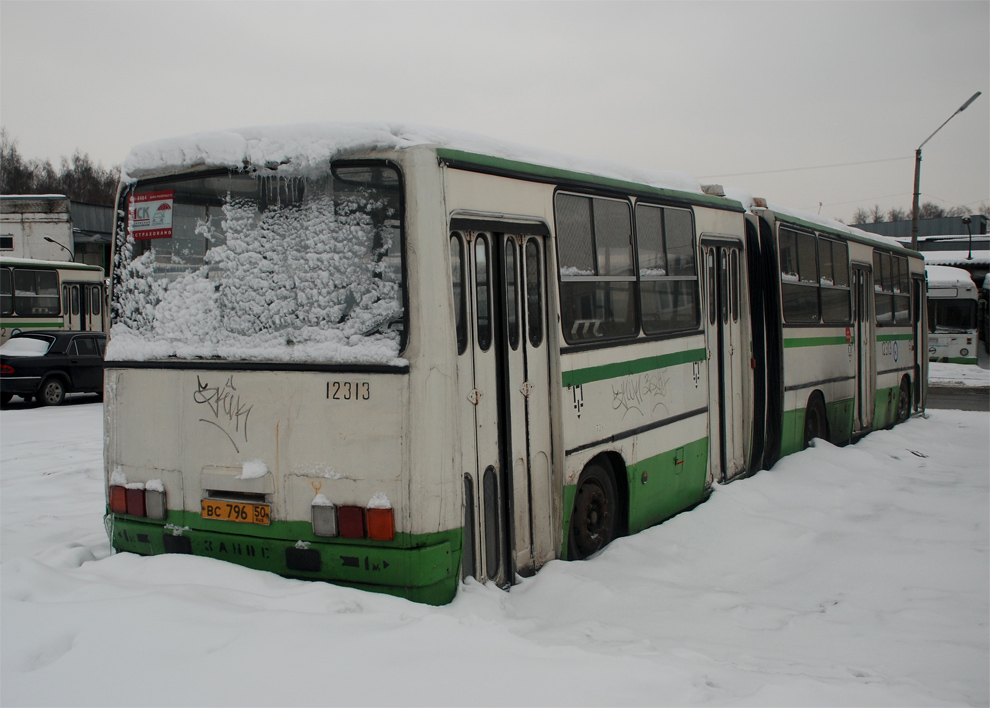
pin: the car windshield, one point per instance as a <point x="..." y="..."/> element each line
<point x="277" y="268"/>
<point x="26" y="346"/>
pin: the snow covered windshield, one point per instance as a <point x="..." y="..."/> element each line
<point x="261" y="267"/>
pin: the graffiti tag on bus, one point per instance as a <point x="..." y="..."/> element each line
<point x="634" y="393"/>
<point x="229" y="413"/>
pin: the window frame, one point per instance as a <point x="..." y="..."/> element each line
<point x="639" y="208"/>
<point x="604" y="292"/>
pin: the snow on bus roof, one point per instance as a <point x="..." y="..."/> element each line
<point x="17" y="261"/>
<point x="948" y="277"/>
<point x="310" y="146"/>
<point x="748" y="202"/>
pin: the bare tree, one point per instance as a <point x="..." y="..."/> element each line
<point x="930" y="210"/>
<point x="861" y="216"/>
<point x="876" y="216"/>
<point x="78" y="179"/>
<point x="898" y="214"/>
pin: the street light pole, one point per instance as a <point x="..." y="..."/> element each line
<point x="51" y="240"/>
<point x="917" y="171"/>
<point x="966" y="220"/>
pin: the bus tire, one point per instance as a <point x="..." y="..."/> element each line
<point x="904" y="401"/>
<point x="815" y="421"/>
<point x="595" y="516"/>
<point x="52" y="392"/>
<point x="5" y="398"/>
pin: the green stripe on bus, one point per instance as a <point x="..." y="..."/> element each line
<point x="627" y="368"/>
<point x="558" y="174"/>
<point x="956" y="360"/>
<point x="815" y="341"/>
<point x="422" y="567"/>
<point x="666" y="484"/>
<point x="895" y="337"/>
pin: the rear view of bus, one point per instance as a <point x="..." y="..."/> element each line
<point x="952" y="315"/>
<point x="256" y="394"/>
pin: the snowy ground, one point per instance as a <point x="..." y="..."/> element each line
<point x="952" y="375"/>
<point x="853" y="576"/>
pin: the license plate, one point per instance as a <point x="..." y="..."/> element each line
<point x="242" y="512"/>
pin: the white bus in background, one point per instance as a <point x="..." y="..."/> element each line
<point x="37" y="294"/>
<point x="953" y="305"/>
<point x="985" y="312"/>
<point x="394" y="358"/>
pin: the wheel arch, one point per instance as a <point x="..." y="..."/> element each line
<point x="818" y="396"/>
<point x="620" y="477"/>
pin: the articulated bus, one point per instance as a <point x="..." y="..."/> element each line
<point x="396" y="359"/>
<point x="37" y="294"/>
<point x="953" y="328"/>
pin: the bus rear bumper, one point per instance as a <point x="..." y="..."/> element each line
<point x="427" y="573"/>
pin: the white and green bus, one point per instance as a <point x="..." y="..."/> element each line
<point x="953" y="304"/>
<point x="395" y="359"/>
<point x="37" y="294"/>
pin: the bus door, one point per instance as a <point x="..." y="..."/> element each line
<point x="93" y="308"/>
<point x="508" y="501"/>
<point x="72" y="306"/>
<point x="919" y="334"/>
<point x="866" y="372"/>
<point x="726" y="356"/>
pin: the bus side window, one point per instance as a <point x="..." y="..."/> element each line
<point x="597" y="279"/>
<point x="35" y="292"/>
<point x="6" y="293"/>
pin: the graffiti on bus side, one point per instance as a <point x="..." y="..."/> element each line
<point x="648" y="390"/>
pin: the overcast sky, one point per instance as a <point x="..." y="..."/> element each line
<point x="708" y="88"/>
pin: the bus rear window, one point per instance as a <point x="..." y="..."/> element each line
<point x="262" y="267"/>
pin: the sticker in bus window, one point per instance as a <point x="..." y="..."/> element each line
<point x="149" y="215"/>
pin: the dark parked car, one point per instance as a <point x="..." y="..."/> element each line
<point x="48" y="364"/>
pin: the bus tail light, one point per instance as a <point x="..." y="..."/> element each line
<point x="6" y="369"/>
<point x="154" y="504"/>
<point x="351" y="521"/>
<point x="135" y="501"/>
<point x="381" y="524"/>
<point x="324" y="520"/>
<point x="118" y="499"/>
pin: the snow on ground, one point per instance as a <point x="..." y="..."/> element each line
<point x="843" y="576"/>
<point x="954" y="375"/>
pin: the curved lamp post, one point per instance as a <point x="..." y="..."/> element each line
<point x="51" y="240"/>
<point x="917" y="171"/>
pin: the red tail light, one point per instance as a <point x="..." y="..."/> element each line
<point x="135" y="502"/>
<point x="6" y="369"/>
<point x="350" y="521"/>
<point x="381" y="525"/>
<point x="118" y="499"/>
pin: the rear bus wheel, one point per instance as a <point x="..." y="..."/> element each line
<point x="594" y="519"/>
<point x="904" y="401"/>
